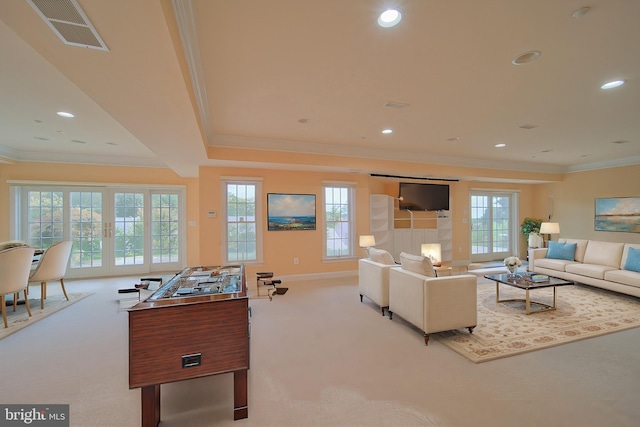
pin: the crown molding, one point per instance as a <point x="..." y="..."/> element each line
<point x="185" y="19"/>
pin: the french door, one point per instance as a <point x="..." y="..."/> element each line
<point x="493" y="225"/>
<point x="115" y="231"/>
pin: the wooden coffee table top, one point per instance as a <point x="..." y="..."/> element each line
<point x="522" y="282"/>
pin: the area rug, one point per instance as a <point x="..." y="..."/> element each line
<point x="20" y="318"/>
<point x="505" y="330"/>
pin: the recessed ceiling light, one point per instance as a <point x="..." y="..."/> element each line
<point x="620" y="141"/>
<point x="304" y="120"/>
<point x="579" y="13"/>
<point x="64" y="114"/>
<point x="41" y="138"/>
<point x="525" y="58"/>
<point x="389" y="18"/>
<point x="387" y="131"/>
<point x="612" y="84"/>
<point x="111" y="143"/>
<point x="78" y="141"/>
<point x="455" y="138"/>
<point x="500" y="145"/>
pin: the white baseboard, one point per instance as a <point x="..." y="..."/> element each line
<point x="319" y="276"/>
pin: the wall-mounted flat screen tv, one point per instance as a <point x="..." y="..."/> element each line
<point x="424" y="197"/>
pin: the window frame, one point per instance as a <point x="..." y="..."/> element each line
<point x="18" y="220"/>
<point x="259" y="220"/>
<point x="351" y="189"/>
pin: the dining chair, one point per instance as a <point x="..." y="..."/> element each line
<point x="15" y="264"/>
<point x="52" y="266"/>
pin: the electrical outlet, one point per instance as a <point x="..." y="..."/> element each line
<point x="296" y="260"/>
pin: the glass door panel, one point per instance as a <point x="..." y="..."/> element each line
<point x="129" y="232"/>
<point x="87" y="229"/>
<point x="114" y="231"/>
<point x="129" y="228"/>
<point x="165" y="226"/>
<point x="491" y="226"/>
<point x="45" y="218"/>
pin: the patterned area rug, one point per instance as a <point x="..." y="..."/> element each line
<point x="20" y="318"/>
<point x="505" y="330"/>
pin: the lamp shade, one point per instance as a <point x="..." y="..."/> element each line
<point x="433" y="251"/>
<point x="549" y="228"/>
<point x="367" y="241"/>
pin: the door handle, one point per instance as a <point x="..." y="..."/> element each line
<point x="107" y="231"/>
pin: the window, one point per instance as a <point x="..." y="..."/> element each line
<point x="165" y="226"/>
<point x="129" y="228"/>
<point x="242" y="206"/>
<point x="492" y="225"/>
<point x="339" y="206"/>
<point x="45" y="218"/>
<point x="86" y="228"/>
<point x="115" y="230"/>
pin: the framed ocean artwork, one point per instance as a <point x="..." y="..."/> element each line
<point x="291" y="212"/>
<point x="618" y="214"/>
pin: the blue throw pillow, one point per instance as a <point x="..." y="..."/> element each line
<point x="562" y="250"/>
<point x="633" y="260"/>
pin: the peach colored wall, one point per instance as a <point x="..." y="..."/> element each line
<point x="574" y="201"/>
<point x="100" y="174"/>
<point x="280" y="247"/>
<point x="573" y="198"/>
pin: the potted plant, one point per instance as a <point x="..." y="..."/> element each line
<point x="530" y="227"/>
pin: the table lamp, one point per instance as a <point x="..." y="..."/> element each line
<point x="366" y="241"/>
<point x="549" y="228"/>
<point x="433" y="251"/>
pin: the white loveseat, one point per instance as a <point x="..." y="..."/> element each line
<point x="373" y="277"/>
<point x="606" y="265"/>
<point x="432" y="304"/>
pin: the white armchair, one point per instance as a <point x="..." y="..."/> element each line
<point x="432" y="304"/>
<point x="373" y="277"/>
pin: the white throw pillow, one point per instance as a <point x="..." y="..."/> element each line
<point x="381" y="256"/>
<point x="417" y="264"/>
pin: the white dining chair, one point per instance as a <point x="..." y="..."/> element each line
<point x="15" y="264"/>
<point x="52" y="266"/>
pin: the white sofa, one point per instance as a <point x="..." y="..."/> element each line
<point x="595" y="263"/>
<point x="432" y="304"/>
<point x="373" y="277"/>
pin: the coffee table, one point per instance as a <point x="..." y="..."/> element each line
<point x="521" y="282"/>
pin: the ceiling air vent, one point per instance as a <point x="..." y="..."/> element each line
<point x="68" y="21"/>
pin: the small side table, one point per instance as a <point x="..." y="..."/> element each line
<point x="266" y="279"/>
<point x="130" y="291"/>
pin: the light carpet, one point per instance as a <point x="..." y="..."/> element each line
<point x="504" y="329"/>
<point x="20" y="319"/>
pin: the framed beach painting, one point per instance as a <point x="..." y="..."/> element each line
<point x="618" y="214"/>
<point x="291" y="212"/>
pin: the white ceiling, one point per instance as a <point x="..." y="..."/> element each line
<point x="250" y="70"/>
